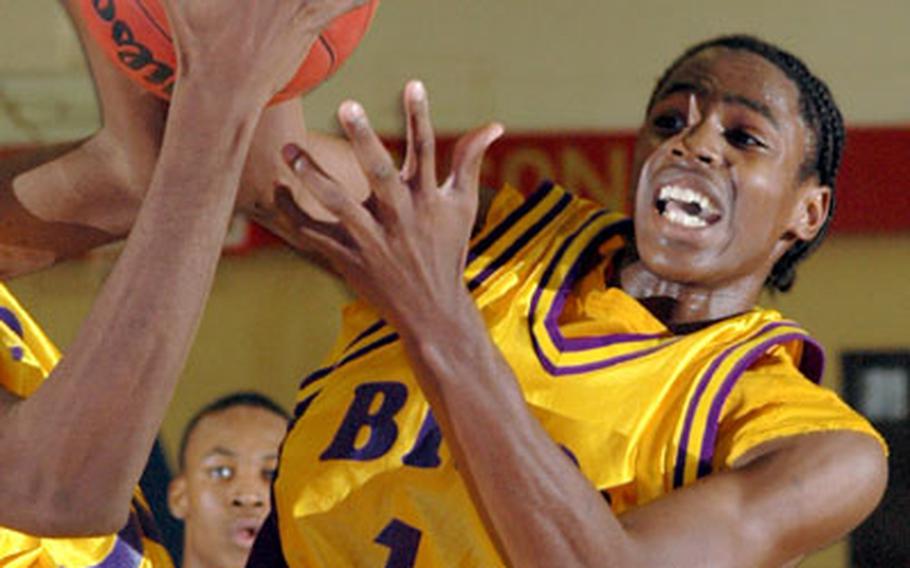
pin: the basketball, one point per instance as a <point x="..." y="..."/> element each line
<point x="136" y="36"/>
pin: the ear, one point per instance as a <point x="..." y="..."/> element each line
<point x="177" y="500"/>
<point x="810" y="211"/>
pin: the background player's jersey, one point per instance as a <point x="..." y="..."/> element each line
<point x="366" y="479"/>
<point x="26" y="358"/>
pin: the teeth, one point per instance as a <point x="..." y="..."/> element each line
<point x="685" y="195"/>
<point x="680" y="217"/>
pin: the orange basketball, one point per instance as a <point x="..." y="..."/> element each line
<point x="135" y="34"/>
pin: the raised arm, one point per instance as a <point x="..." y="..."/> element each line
<point x="405" y="254"/>
<point x="73" y="452"/>
<point x="59" y="202"/>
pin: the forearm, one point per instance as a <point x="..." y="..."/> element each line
<point x="542" y="510"/>
<point x="87" y="430"/>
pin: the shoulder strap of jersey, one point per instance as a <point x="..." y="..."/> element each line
<point x="697" y="431"/>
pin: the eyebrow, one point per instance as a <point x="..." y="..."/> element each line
<point x="220" y="451"/>
<point x="729" y="98"/>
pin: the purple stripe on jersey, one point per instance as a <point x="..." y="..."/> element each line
<point x="366" y="333"/>
<point x="499" y="230"/>
<point x="11" y="321"/>
<point x="17" y="352"/>
<point x="131" y="533"/>
<point x="551" y="317"/>
<point x="304" y="404"/>
<point x="485" y="243"/>
<point x="707" y="448"/>
<point x="551" y="320"/>
<point x="558" y="371"/>
<point x="123" y="555"/>
<point x="321" y="373"/>
<point x="680" y="469"/>
<point x="520" y="242"/>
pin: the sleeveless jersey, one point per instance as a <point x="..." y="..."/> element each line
<point x="366" y="479"/>
<point x="26" y="358"/>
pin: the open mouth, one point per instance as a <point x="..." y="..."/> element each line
<point x="244" y="532"/>
<point x="686" y="207"/>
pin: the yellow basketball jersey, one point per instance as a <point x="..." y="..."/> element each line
<point x="366" y="479"/>
<point x="26" y="358"/>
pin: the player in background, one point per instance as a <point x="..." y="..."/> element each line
<point x="563" y="390"/>
<point x="75" y="432"/>
<point x="227" y="460"/>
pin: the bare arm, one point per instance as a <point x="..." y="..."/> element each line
<point x="405" y="257"/>
<point x="73" y="452"/>
<point x="59" y="202"/>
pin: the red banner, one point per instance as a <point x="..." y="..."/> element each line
<point x="873" y="193"/>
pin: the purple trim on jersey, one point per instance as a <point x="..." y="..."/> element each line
<point x="481" y="246"/>
<point x="12" y="322"/>
<point x="557" y="371"/>
<point x="551" y="320"/>
<point x="321" y="373"/>
<point x="486" y="242"/>
<point x="511" y="219"/>
<point x="303" y="405"/>
<point x="707" y="447"/>
<point x="366" y="333"/>
<point x="680" y="468"/>
<point x="131" y="533"/>
<point x="17" y="352"/>
<point x="123" y="555"/>
<point x="520" y="242"/>
<point x="551" y="317"/>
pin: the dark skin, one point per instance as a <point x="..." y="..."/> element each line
<point x="88" y="430"/>
<point x="743" y="147"/>
<point x="781" y="500"/>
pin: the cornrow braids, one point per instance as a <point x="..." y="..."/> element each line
<point x="821" y="115"/>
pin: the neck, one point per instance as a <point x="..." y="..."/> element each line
<point x="682" y="305"/>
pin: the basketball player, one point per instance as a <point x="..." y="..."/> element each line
<point x="228" y="455"/>
<point x="572" y="388"/>
<point x="74" y="436"/>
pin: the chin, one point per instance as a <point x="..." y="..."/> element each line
<point x="675" y="266"/>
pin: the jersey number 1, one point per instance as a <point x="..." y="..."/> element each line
<point x="403" y="540"/>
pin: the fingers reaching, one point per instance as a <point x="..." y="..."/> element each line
<point x="467" y="158"/>
<point x="326" y="192"/>
<point x="421" y="140"/>
<point x="374" y="160"/>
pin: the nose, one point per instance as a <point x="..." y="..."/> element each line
<point x="700" y="139"/>
<point x="693" y="143"/>
<point x="248" y="500"/>
<point x="249" y="492"/>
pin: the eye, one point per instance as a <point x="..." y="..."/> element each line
<point x="269" y="474"/>
<point x="220" y="472"/>
<point x="741" y="138"/>
<point x="668" y="123"/>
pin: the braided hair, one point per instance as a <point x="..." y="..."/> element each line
<point x="818" y="111"/>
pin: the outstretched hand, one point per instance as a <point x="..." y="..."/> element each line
<point x="255" y="44"/>
<point x="404" y="249"/>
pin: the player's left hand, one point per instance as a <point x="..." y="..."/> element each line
<point x="404" y="249"/>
